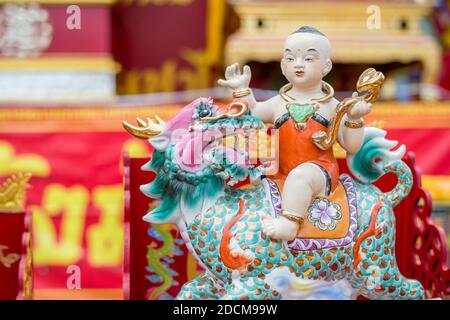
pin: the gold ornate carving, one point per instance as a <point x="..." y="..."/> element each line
<point x="12" y="192"/>
<point x="8" y="260"/>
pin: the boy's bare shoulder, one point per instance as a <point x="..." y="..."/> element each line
<point x="275" y="100"/>
<point x="331" y="104"/>
<point x="327" y="109"/>
<point x="277" y="105"/>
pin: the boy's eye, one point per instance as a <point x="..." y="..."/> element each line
<point x="289" y="59"/>
<point x="309" y="59"/>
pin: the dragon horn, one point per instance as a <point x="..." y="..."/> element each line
<point x="141" y="123"/>
<point x="145" y="130"/>
<point x="160" y="121"/>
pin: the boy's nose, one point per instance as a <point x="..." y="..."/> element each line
<point x="299" y="63"/>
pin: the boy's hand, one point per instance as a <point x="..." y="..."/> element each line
<point x="236" y="80"/>
<point x="360" y="109"/>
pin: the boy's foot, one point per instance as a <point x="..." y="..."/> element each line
<point x="280" y="228"/>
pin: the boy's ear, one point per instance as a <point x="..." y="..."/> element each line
<point x="327" y="67"/>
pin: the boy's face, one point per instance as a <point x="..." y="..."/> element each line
<point x="306" y="59"/>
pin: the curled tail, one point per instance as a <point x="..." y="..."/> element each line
<point x="375" y="158"/>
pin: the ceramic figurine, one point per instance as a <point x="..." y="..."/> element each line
<point x="249" y="238"/>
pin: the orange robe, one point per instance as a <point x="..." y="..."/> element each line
<point x="296" y="147"/>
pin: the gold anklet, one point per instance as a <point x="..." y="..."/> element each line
<point x="291" y="217"/>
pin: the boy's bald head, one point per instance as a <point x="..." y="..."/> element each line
<point x="307" y="33"/>
<point x="308" y="29"/>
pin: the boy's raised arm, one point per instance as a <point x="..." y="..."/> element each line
<point x="239" y="83"/>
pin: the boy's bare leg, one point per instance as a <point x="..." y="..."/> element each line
<point x="302" y="184"/>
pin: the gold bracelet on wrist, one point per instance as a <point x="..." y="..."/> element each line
<point x="291" y="217"/>
<point x="354" y="124"/>
<point x="242" y="93"/>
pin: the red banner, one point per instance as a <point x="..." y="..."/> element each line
<point x="77" y="203"/>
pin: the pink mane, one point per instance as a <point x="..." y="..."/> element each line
<point x="183" y="119"/>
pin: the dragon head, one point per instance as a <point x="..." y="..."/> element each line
<point x="196" y="155"/>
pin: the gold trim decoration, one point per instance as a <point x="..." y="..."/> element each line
<point x="292" y="217"/>
<point x="8" y="260"/>
<point x="354" y="124"/>
<point x="80" y="63"/>
<point x="241" y="93"/>
<point x="327" y="89"/>
<point x="12" y="192"/>
<point x="329" y="93"/>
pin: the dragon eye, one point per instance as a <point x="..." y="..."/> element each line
<point x="205" y="113"/>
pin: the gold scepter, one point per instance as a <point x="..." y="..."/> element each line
<point x="369" y="84"/>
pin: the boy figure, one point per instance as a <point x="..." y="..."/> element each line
<point x="307" y="170"/>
